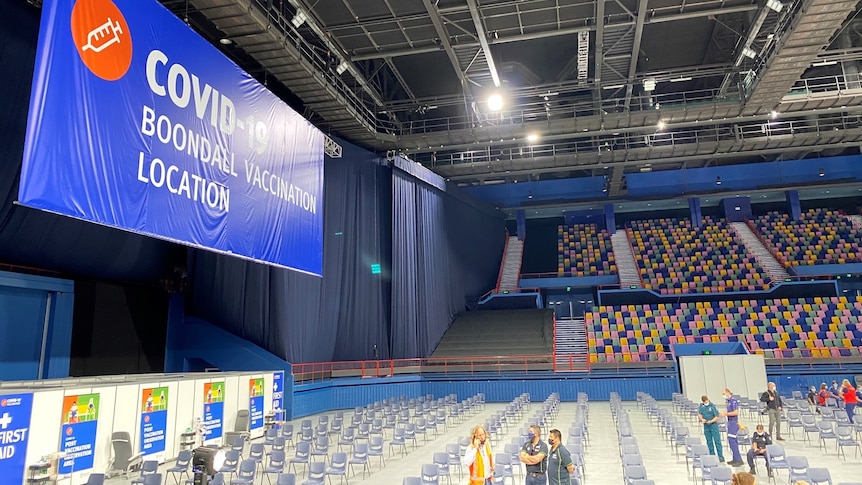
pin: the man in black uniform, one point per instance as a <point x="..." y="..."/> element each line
<point x="759" y="440"/>
<point x="534" y="454"/>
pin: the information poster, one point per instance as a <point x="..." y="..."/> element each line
<point x="15" y="412"/>
<point x="154" y="420"/>
<point x="80" y="418"/>
<point x="213" y="409"/>
<point x="255" y="406"/>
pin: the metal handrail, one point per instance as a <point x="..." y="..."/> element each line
<point x="590" y="145"/>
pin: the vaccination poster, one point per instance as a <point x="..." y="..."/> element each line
<point x="80" y="418"/>
<point x="213" y="409"/>
<point x="278" y="397"/>
<point x="154" y="420"/>
<point x="255" y="406"/>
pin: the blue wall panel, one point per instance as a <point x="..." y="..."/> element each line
<point x="348" y="393"/>
<point x="787" y="381"/>
<point x="504" y="390"/>
<point x="24" y="300"/>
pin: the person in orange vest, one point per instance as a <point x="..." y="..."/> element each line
<point x="479" y="458"/>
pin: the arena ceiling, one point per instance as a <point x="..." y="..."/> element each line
<point x="588" y="87"/>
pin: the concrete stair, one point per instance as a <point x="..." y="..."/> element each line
<point x="626" y="267"/>
<point x="511" y="272"/>
<point x="764" y="257"/>
<point x="571" y="351"/>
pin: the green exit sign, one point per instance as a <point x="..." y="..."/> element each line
<point x="375" y="268"/>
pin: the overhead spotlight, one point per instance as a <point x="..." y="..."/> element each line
<point x="530" y="195"/>
<point x="225" y="41"/>
<point x="495" y="102"/>
<point x="775" y="5"/>
<point x="661" y="125"/>
<point x="717" y="180"/>
<point x="773" y="114"/>
<point x="532" y="138"/>
<point x="749" y="52"/>
<point x="341" y="68"/>
<point x="649" y="85"/>
<point x="821" y="173"/>
<point x="299" y="19"/>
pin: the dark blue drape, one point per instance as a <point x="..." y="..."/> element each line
<point x="444" y="250"/>
<point x="33" y="238"/>
<point x="304" y="318"/>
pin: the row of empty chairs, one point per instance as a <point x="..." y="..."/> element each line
<point x="675" y="256"/>
<point x="782" y="328"/>
<point x="634" y="470"/>
<point x="584" y="250"/>
<point x="820" y="236"/>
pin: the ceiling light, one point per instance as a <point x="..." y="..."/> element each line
<point x="649" y="85"/>
<point x="718" y="181"/>
<point x="341" y="68"/>
<point x="749" y="52"/>
<point x="662" y="125"/>
<point x="775" y="5"/>
<point x="299" y="19"/>
<point x="821" y="173"/>
<point x="495" y="102"/>
<point x="773" y="114"/>
<point x="824" y="63"/>
<point x="681" y="79"/>
<point x="225" y="41"/>
<point x="532" y="138"/>
<point x="614" y="86"/>
<point x="530" y="196"/>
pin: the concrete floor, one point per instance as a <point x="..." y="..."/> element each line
<point x="603" y="464"/>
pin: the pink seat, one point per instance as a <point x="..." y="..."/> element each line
<point x="723" y="338"/>
<point x="835" y="352"/>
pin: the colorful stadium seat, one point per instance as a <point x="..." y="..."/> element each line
<point x="583" y="250"/>
<point x="819" y="237"/>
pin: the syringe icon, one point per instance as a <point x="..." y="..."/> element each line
<point x="103" y="36"/>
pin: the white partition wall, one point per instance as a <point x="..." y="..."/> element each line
<point x="744" y="375"/>
<point x="121" y="402"/>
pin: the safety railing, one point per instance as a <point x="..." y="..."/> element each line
<point x="590" y="145"/>
<point x="564" y="107"/>
<point x="782" y="358"/>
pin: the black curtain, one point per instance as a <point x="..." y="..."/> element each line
<point x="303" y="318"/>
<point x="444" y="250"/>
<point x="29" y="237"/>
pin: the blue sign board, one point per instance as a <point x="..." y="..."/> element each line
<point x="14" y="432"/>
<point x="136" y="122"/>
<point x="278" y="398"/>
<point x="154" y="420"/>
<point x="256" y="412"/>
<point x="213" y="414"/>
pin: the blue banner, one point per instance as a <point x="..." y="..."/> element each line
<point x="213" y="409"/>
<point x="256" y="412"/>
<point x="136" y="122"/>
<point x="255" y="406"/>
<point x="278" y="398"/>
<point x="14" y="432"/>
<point x="78" y="441"/>
<point x="154" y="420"/>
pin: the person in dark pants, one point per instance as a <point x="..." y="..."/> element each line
<point x="773" y="409"/>
<point x="732" y="415"/>
<point x="534" y="454"/>
<point x="759" y="440"/>
<point x="708" y="414"/>
<point x="561" y="468"/>
<point x="848" y="394"/>
<point x="812" y="399"/>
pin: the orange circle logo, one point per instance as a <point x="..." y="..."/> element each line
<point x="3" y="403"/>
<point x="69" y="431"/>
<point x="147" y="419"/>
<point x="102" y="37"/>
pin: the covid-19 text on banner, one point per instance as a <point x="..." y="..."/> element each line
<point x="137" y="122"/>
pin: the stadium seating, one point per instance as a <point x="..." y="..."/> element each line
<point x="675" y="257"/>
<point x="583" y="250"/>
<point x="819" y="237"/>
<point x="798" y="328"/>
